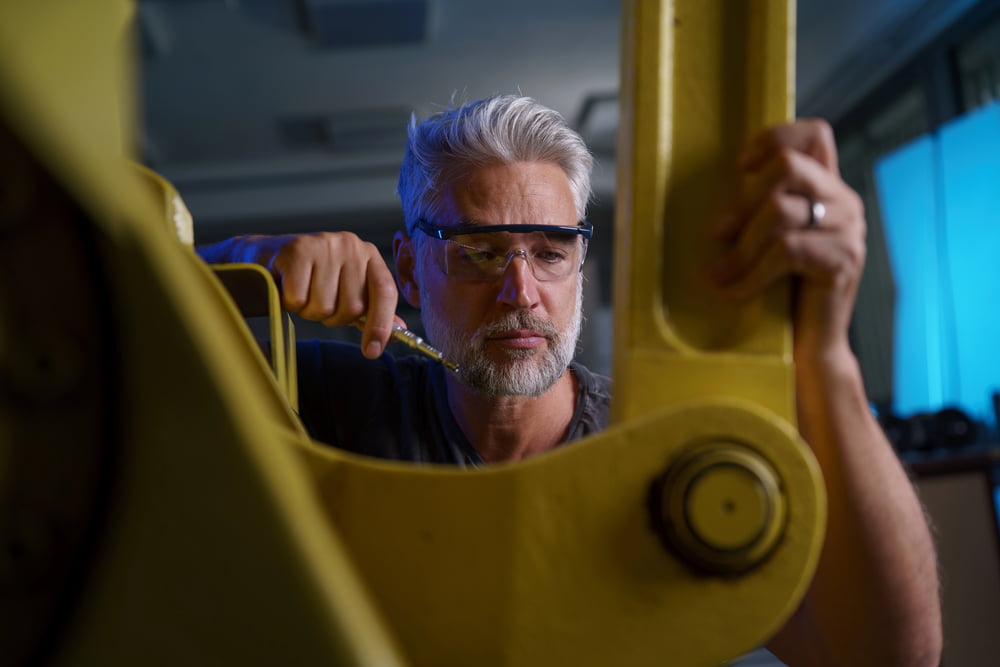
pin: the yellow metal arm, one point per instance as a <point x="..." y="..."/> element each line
<point x="153" y="510"/>
<point x="699" y="78"/>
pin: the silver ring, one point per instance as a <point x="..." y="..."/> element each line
<point x="817" y="211"/>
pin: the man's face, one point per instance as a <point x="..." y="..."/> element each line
<point x="514" y="335"/>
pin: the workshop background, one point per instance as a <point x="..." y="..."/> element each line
<point x="277" y="116"/>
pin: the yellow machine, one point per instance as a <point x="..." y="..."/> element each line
<point x="162" y="505"/>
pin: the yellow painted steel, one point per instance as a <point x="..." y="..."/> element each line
<point x="552" y="561"/>
<point x="255" y="295"/>
<point x="221" y="548"/>
<point x="210" y="546"/>
<point x="176" y="214"/>
<point x="699" y="78"/>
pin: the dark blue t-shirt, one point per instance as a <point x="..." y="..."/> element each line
<point x="397" y="408"/>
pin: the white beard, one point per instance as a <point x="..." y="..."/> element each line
<point x="522" y="373"/>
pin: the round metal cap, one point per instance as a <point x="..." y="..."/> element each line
<point x="720" y="507"/>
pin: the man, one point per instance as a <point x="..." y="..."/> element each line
<point x="494" y="195"/>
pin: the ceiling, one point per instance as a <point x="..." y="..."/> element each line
<point x="290" y="114"/>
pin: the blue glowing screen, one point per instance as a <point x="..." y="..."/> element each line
<point x="940" y="204"/>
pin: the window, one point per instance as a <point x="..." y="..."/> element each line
<point x="940" y="206"/>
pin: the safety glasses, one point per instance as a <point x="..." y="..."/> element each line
<point x="482" y="253"/>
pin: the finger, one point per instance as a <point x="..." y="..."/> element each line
<point x="781" y="212"/>
<point x="348" y="296"/>
<point x="381" y="313"/>
<point x="294" y="281"/>
<point x="812" y="136"/>
<point x="324" y="287"/>
<point x="820" y="256"/>
<point x="767" y="187"/>
<point x="746" y="282"/>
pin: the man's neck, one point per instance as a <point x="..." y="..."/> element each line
<point x="511" y="428"/>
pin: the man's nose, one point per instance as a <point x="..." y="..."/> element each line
<point x="519" y="287"/>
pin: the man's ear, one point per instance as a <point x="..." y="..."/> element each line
<point x="406" y="264"/>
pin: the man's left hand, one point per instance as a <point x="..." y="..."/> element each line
<point x="795" y="216"/>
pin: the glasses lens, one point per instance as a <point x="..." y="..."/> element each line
<point x="484" y="257"/>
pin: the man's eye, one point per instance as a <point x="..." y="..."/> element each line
<point x="475" y="255"/>
<point x="551" y="256"/>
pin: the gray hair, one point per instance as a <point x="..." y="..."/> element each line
<point x="504" y="129"/>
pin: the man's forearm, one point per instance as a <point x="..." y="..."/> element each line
<point x="235" y="249"/>
<point x="874" y="599"/>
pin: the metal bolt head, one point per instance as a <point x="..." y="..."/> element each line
<point x="719" y="507"/>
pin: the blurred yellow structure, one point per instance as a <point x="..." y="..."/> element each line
<point x="163" y="505"/>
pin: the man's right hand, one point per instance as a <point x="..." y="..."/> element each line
<point x="329" y="277"/>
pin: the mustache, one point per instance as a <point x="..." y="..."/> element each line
<point x="520" y="319"/>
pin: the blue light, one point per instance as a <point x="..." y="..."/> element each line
<point x="908" y="196"/>
<point x="940" y="200"/>
<point x="970" y="148"/>
<point x="996" y="504"/>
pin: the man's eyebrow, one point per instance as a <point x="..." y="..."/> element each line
<point x="469" y="222"/>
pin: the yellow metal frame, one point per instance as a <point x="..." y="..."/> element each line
<point x="699" y="78"/>
<point x="214" y="549"/>
<point x="176" y="215"/>
<point x="234" y="538"/>
<point x="255" y="295"/>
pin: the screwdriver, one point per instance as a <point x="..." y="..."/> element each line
<point x="413" y="341"/>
